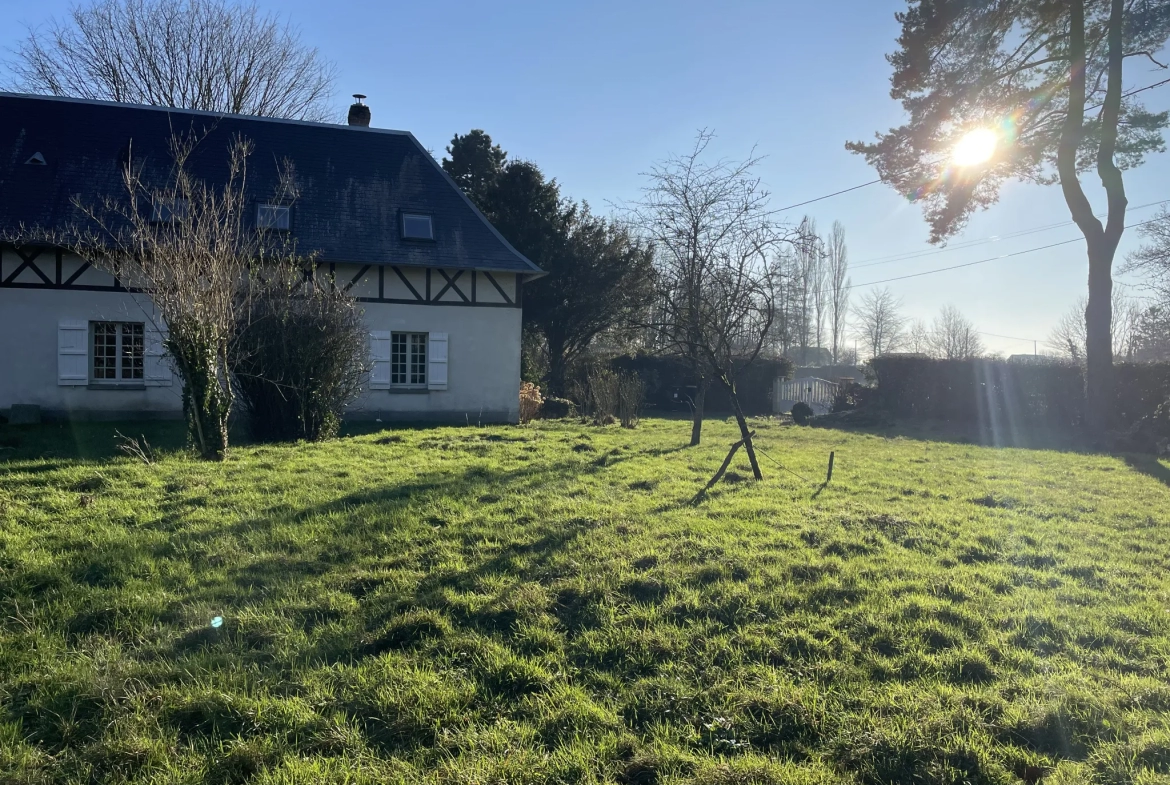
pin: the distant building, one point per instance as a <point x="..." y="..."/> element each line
<point x="814" y="356"/>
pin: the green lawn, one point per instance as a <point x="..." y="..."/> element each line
<point x="541" y="604"/>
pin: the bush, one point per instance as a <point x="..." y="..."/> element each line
<point x="601" y="394"/>
<point x="631" y="396"/>
<point x="802" y="413"/>
<point x="530" y="402"/>
<point x="851" y="396"/>
<point x="300" y="357"/>
<point x="558" y="409"/>
<point x="665" y="376"/>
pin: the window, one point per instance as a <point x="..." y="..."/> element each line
<point x="408" y="359"/>
<point x="417" y="227"/>
<point x="167" y="209"/>
<point x="275" y="217"/>
<point x="117" y="352"/>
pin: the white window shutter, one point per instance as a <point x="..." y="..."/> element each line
<point x="380" y="355"/>
<point x="437" y="361"/>
<point x="72" y="353"/>
<point x="156" y="369"/>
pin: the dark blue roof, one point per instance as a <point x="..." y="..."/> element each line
<point x="353" y="182"/>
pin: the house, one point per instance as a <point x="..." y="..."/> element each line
<point x="441" y="289"/>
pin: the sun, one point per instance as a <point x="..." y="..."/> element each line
<point x="975" y="148"/>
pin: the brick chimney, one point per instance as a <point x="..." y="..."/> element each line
<point x="359" y="113"/>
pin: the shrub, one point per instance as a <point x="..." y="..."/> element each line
<point x="664" y="376"/>
<point x="631" y="395"/>
<point x="300" y="357"/>
<point x="558" y="408"/>
<point x="802" y="413"/>
<point x="530" y="402"/>
<point x="601" y="394"/>
<point x="851" y="396"/>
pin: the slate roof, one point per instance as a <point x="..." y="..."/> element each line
<point x="354" y="182"/>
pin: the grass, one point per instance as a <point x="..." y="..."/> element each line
<point x="541" y="604"/>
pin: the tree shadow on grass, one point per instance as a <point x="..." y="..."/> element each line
<point x="382" y="508"/>
<point x="1149" y="466"/>
<point x="1070" y="439"/>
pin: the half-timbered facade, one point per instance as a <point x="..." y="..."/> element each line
<point x="441" y="290"/>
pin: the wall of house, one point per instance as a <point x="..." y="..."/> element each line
<point x="29" y="320"/>
<point x="483" y="365"/>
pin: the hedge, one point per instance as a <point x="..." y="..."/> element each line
<point x="995" y="391"/>
<point x="664" y="375"/>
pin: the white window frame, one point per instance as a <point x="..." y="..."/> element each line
<point x="408" y="370"/>
<point x="430" y="236"/>
<point x="120" y="335"/>
<point x="277" y="214"/>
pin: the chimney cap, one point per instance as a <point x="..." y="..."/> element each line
<point x="359" y="113"/>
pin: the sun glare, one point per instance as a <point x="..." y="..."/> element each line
<point x="975" y="148"/>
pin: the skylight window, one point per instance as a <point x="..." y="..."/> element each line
<point x="274" y="217"/>
<point x="416" y="226"/>
<point x="167" y="209"/>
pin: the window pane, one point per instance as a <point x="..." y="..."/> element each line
<point x="105" y="350"/>
<point x="166" y="209"/>
<point x="273" y="216"/>
<point x="398" y="358"/>
<point x="418" y="358"/>
<point x="132" y="354"/>
<point x="417" y="227"/>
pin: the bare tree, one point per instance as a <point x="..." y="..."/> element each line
<point x="716" y="252"/>
<point x="1070" y="340"/>
<point x="1153" y="258"/>
<point x="953" y="336"/>
<point x="193" y="54"/>
<point x="879" y="321"/>
<point x="805" y="272"/>
<point x="193" y="251"/>
<point x="836" y="274"/>
<point x="918" y="338"/>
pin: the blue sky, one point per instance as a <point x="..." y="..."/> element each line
<point x="596" y="92"/>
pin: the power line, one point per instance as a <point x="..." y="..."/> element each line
<point x="879" y="180"/>
<point x="877" y="261"/>
<point x="1009" y="337"/>
<point x="828" y="196"/>
<point x="981" y="261"/>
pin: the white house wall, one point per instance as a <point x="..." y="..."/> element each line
<point x="478" y="311"/>
<point x="29" y="321"/>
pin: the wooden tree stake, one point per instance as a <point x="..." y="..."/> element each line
<point x="726" y="462"/>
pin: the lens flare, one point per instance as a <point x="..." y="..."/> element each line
<point x="975" y="148"/>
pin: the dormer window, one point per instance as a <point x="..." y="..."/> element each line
<point x="274" y="217"/>
<point x="168" y="209"/>
<point x="417" y="226"/>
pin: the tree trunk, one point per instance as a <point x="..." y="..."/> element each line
<point x="206" y="404"/>
<point x="1099" y="341"/>
<point x="744" y="433"/>
<point x="697" y="411"/>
